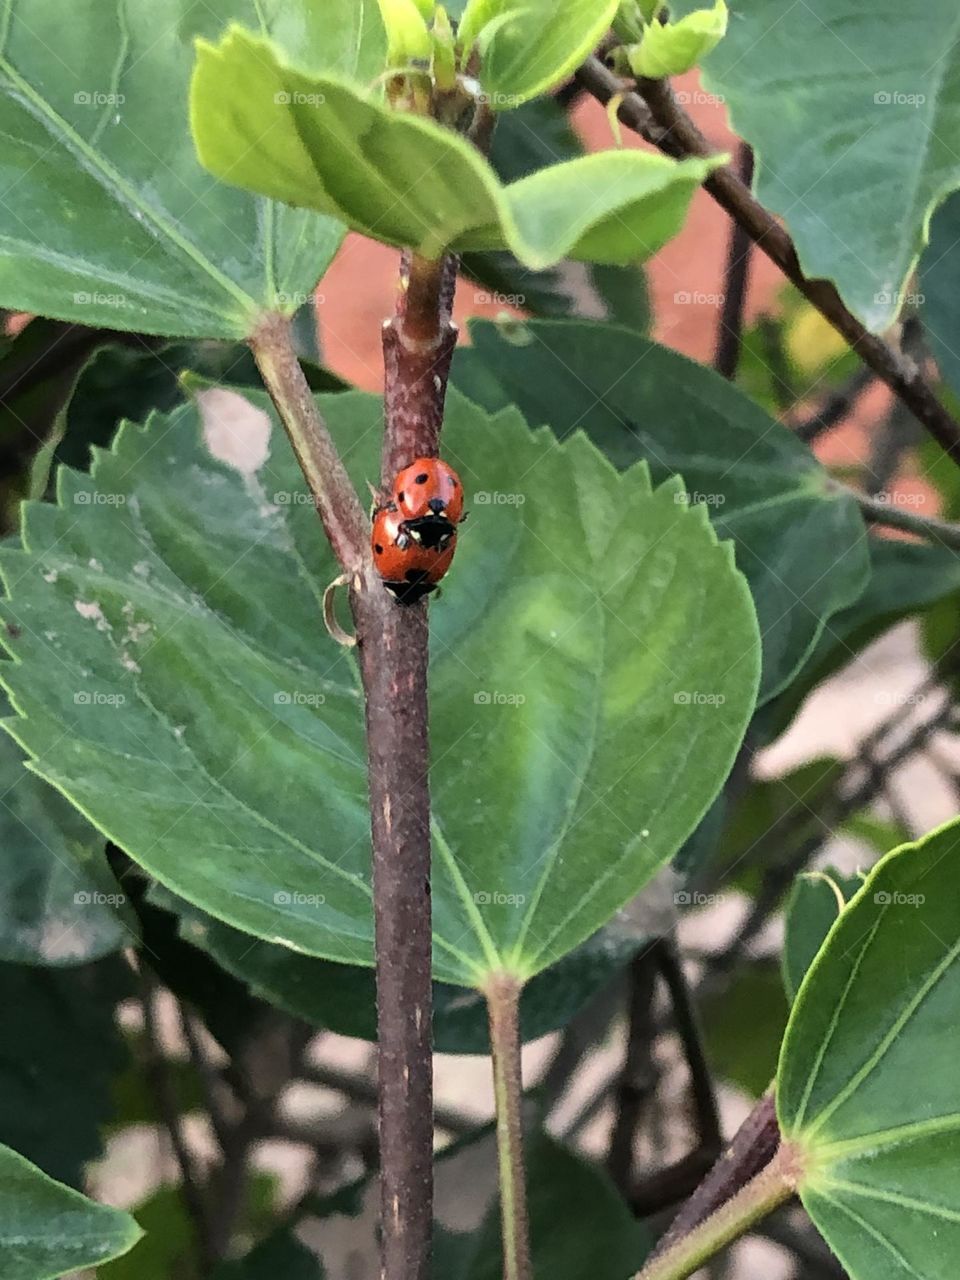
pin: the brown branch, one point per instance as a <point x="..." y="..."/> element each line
<point x="655" y="114"/>
<point x="753" y="1147"/>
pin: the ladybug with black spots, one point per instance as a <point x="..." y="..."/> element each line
<point x="414" y="533"/>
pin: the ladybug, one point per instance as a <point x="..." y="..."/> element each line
<point x="414" y="534"/>
<point x="428" y="487"/>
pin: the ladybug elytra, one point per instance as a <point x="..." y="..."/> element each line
<point x="414" y="532"/>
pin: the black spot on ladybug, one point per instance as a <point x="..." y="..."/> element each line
<point x="401" y="496"/>
<point x="422" y="478"/>
<point x="378" y="549"/>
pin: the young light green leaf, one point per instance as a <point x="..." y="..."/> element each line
<point x="843" y="99"/>
<point x="408" y="39"/>
<point x="530" y="46"/>
<point x="868" y="1090"/>
<point x="48" y="1230"/>
<point x="573" y="635"/>
<point x="315" y="141"/>
<point x="110" y="221"/>
<point x="675" y="47"/>
<point x="801" y="541"/>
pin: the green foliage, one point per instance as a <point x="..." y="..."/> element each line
<point x="530" y="46"/>
<point x="111" y="221"/>
<point x="867" y="1085"/>
<point x="48" y="1230"/>
<point x="152" y="617"/>
<point x="939" y="279"/>
<point x="305" y="139"/>
<point x="672" y="48"/>
<point x="54" y="1100"/>
<point x="800" y="541"/>
<point x="815" y="901"/>
<point x="866" y="103"/>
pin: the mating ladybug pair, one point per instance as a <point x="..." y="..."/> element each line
<point x="415" y="528"/>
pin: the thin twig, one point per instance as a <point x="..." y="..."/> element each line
<point x="736" y="280"/>
<point x="838" y="405"/>
<point x="638" y="1079"/>
<point x="158" y="1074"/>
<point x="658" y="117"/>
<point x="360" y="1088"/>
<point x="892" y="516"/>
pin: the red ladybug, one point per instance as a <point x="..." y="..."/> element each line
<point x="414" y="532"/>
<point x="428" y="487"/>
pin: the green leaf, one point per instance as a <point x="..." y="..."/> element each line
<point x="868" y="1090"/>
<point x="534" y="44"/>
<point x="800" y="541"/>
<point x="169" y="1245"/>
<point x="342" y="998"/>
<point x="906" y="578"/>
<point x="53" y="1102"/>
<point x="48" y="1230"/>
<point x="815" y="901"/>
<point x="573" y="635"/>
<point x="533" y="137"/>
<point x="676" y="47"/>
<point x="107" y="219"/>
<point x="408" y="39"/>
<point x="838" y="97"/>
<point x="59" y="903"/>
<point x="572" y="1206"/>
<point x="743" y="1027"/>
<point x="318" y="142"/>
<point x="939" y="289"/>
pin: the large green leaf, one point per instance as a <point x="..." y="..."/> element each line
<point x="940" y="290"/>
<point x="106" y="218"/>
<point x="53" y="1099"/>
<point x="858" y="150"/>
<point x="48" y="1230"/>
<point x="321" y="143"/>
<point x="800" y="541"/>
<point x="868" y="1088"/>
<point x="595" y="664"/>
